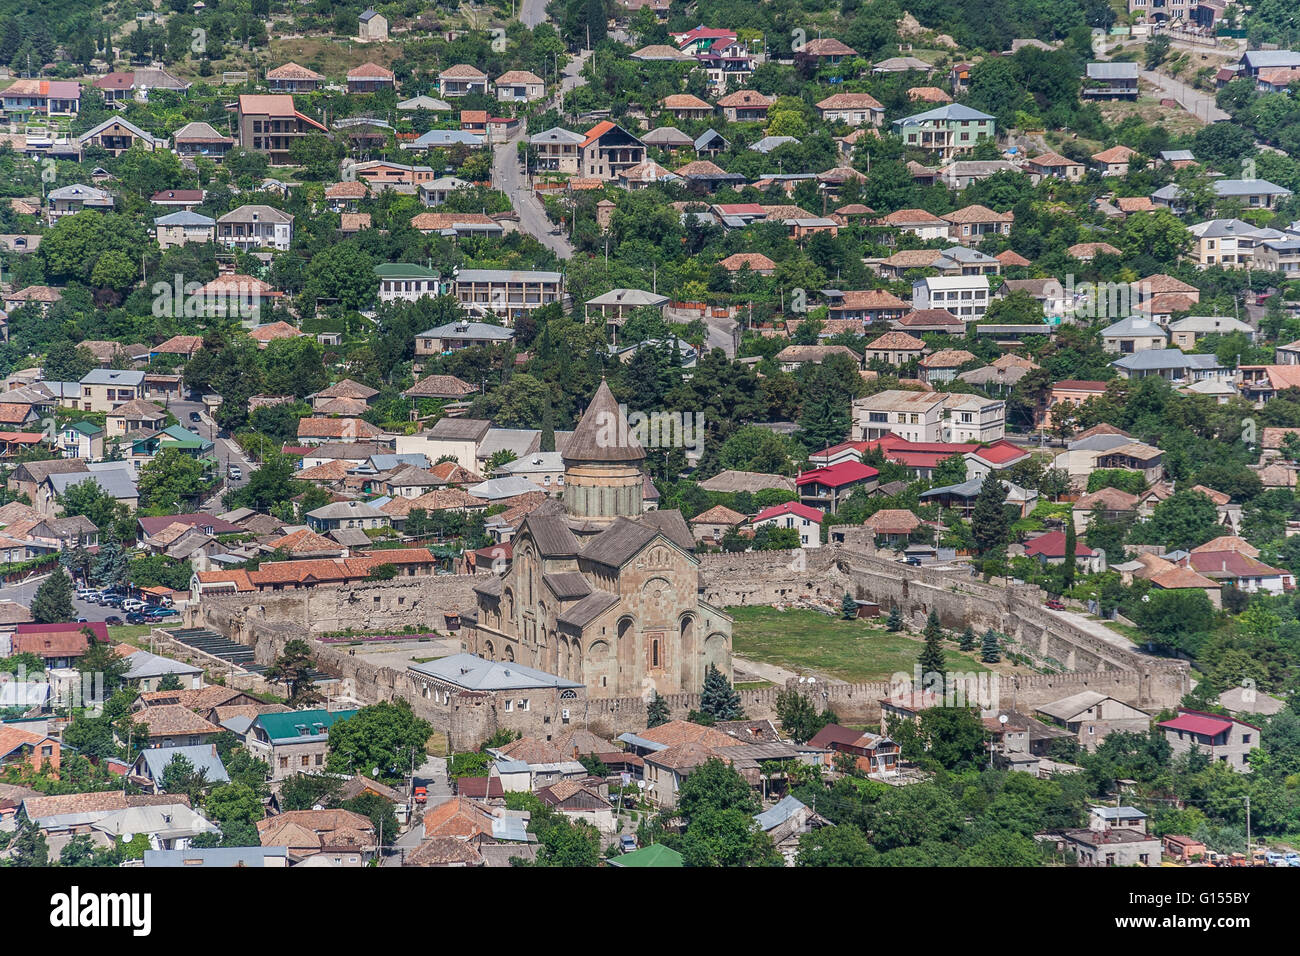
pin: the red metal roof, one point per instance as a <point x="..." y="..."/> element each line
<point x="836" y="476"/>
<point x="1198" y="724"/>
<point x="792" y="508"/>
<point x="1052" y="545"/>
<point x="98" y="628"/>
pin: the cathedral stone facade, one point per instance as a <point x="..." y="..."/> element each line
<point x="599" y="591"/>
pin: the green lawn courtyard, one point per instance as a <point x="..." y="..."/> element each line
<point x="809" y="642"/>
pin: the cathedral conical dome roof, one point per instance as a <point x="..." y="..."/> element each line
<point x="603" y="434"/>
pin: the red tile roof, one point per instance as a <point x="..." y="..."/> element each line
<point x="1052" y="545"/>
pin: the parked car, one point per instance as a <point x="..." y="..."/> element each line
<point x="112" y="620"/>
<point x="627" y="843"/>
<point x="133" y="604"/>
<point x="235" y="473"/>
<point x="1055" y="605"/>
<point x="87" y="594"/>
<point x="1291" y="859"/>
<point x="421" y="794"/>
<point x="159" y="613"/>
<point x="195" y="417"/>
<point x="135" y="617"/>
<point x="1273" y="858"/>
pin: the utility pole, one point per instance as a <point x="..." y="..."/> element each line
<point x="1250" y="859"/>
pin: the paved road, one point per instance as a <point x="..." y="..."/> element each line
<point x="433" y="775"/>
<point x="532" y="12"/>
<point x="1199" y="104"/>
<point x="508" y="176"/>
<point x="721" y="335"/>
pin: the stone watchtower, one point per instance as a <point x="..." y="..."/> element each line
<point x="602" y="467"/>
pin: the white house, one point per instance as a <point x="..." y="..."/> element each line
<point x="966" y="297"/>
<point x="807" y="521"/>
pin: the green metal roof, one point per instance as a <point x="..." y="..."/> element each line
<point x="177" y="436"/>
<point x="404" y="270"/>
<point x="656" y="854"/>
<point x="87" y="428"/>
<point x="301" y="723"/>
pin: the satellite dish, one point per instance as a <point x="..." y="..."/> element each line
<point x="374" y="772"/>
<point x="640" y="784"/>
<point x="128" y="837"/>
<point x="1002" y="718"/>
<point x="812" y="680"/>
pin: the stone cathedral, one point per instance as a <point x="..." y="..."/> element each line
<point x="600" y="590"/>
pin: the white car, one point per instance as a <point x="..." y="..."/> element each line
<point x="131" y="604"/>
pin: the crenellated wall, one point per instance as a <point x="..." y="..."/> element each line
<point x="266" y="621"/>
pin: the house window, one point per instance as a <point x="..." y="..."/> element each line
<point x="320" y="759"/>
<point x="523" y="704"/>
<point x="284" y="763"/>
<point x="510" y="706"/>
<point x="306" y="760"/>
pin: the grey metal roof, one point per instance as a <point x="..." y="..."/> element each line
<point x="445" y="137"/>
<point x="1118" y="813"/>
<point x="1259" y="59"/>
<point x="346" y="509"/>
<point x="708" y="137"/>
<point x="519" y="441"/>
<point x="971" y="488"/>
<point x="389" y="462"/>
<point x="533" y="462"/>
<point x="222" y="857"/>
<point x="1104" y="442"/>
<point x="144" y="665"/>
<point x="79" y="191"/>
<point x="476" y="673"/>
<point x="629" y="297"/>
<point x="113" y="376"/>
<point x="1210" y="323"/>
<point x="1151" y="359"/>
<point x="1116" y="70"/>
<point x="116" y="482"/>
<point x="661" y="136"/>
<point x="203" y="757"/>
<point x="184" y="218"/>
<point x="769" y="143"/>
<point x="494" y="489"/>
<point x="950" y="111"/>
<point x="1134" y="325"/>
<point x="1214" y="228"/>
<point x="430" y="103"/>
<point x="783" y="811"/>
<point x="1248" y="187"/>
<point x="556" y="134"/>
